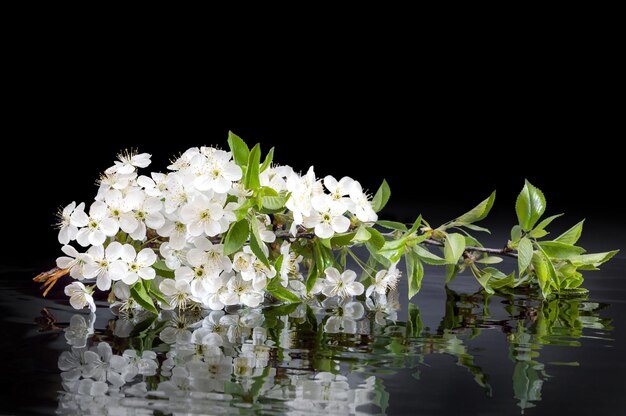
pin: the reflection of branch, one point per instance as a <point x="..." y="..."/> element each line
<point x="47" y="321"/>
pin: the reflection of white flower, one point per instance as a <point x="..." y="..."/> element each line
<point x="382" y="309"/>
<point x="344" y="318"/>
<point x="80" y="296"/>
<point x="145" y="363"/>
<point x="103" y="365"/>
<point x="342" y="285"/>
<point x="79" y="330"/>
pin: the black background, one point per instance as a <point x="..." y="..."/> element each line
<point x="444" y="135"/>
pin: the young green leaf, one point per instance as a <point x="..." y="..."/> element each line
<point x="479" y="212"/>
<point x="524" y="254"/>
<point x="591" y="261"/>
<point x="268" y="160"/>
<point x="540" y="266"/>
<point x="428" y="257"/>
<point x="236" y="237"/>
<point x="516" y="233"/>
<point x="572" y="235"/>
<point x="392" y="225"/>
<point x="483" y="278"/>
<point x="283" y="294"/>
<point x="139" y="295"/>
<point x="414" y="271"/>
<point x="252" y="173"/>
<point x="311" y="279"/>
<point x="453" y="247"/>
<point x="545" y="222"/>
<point x="239" y="149"/>
<point x="256" y="243"/>
<point x="274" y="203"/>
<point x="475" y="227"/>
<point x="159" y="296"/>
<point x="416" y="224"/>
<point x="530" y="206"/>
<point x="558" y="250"/>
<point x="490" y="260"/>
<point x="342" y="240"/>
<point x="362" y="234"/>
<point x="381" y="197"/>
<point x="162" y="270"/>
<point x="376" y="238"/>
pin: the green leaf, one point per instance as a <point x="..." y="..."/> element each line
<point x="256" y="243"/>
<point x="524" y="254"/>
<point x="453" y="247"/>
<point x="572" y="235"/>
<point x="592" y="260"/>
<point x="242" y="211"/>
<point x="268" y="160"/>
<point x="428" y="257"/>
<point x="544" y="223"/>
<point x="483" y="278"/>
<point x="499" y="279"/>
<point x="516" y="233"/>
<point x="159" y="296"/>
<point x="381" y="197"/>
<point x="490" y="260"/>
<point x="540" y="265"/>
<point x="342" y="240"/>
<point x="474" y="227"/>
<point x="274" y="203"/>
<point x="376" y="238"/>
<point x="252" y="173"/>
<point x="558" y="250"/>
<point x="537" y="233"/>
<point x="162" y="269"/>
<point x="362" y="235"/>
<point x="236" y="237"/>
<point x="415" y="272"/>
<point x="552" y="275"/>
<point x="530" y="206"/>
<point x="479" y="212"/>
<point x="239" y="148"/>
<point x="392" y="225"/>
<point x="278" y="263"/>
<point x="280" y="293"/>
<point x="279" y="310"/>
<point x="139" y="294"/>
<point x="416" y="224"/>
<point x="311" y="279"/>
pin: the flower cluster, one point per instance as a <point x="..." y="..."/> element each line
<point x="214" y="231"/>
